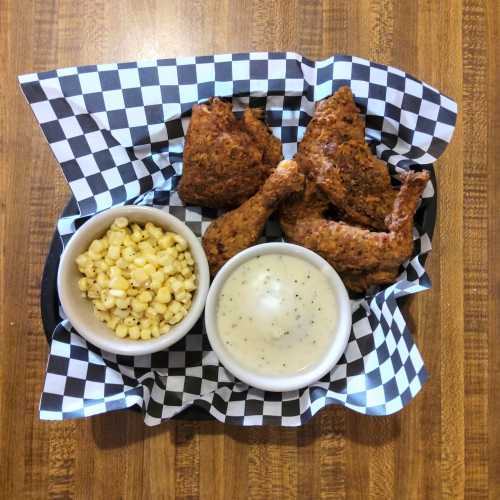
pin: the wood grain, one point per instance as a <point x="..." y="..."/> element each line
<point x="446" y="444"/>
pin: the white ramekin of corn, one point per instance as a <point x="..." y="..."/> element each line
<point x="133" y="280"/>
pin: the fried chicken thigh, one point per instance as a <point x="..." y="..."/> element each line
<point x="333" y="154"/>
<point x="240" y="228"/>
<point x="361" y="256"/>
<point x="226" y="160"/>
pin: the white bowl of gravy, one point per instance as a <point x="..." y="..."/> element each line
<point x="278" y="316"/>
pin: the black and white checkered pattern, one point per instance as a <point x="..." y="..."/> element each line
<point x="117" y="131"/>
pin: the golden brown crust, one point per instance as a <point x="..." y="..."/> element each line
<point x="240" y="228"/>
<point x="359" y="184"/>
<point x="333" y="154"/>
<point x="225" y="160"/>
<point x="359" y="282"/>
<point x="252" y="122"/>
<point x="354" y="250"/>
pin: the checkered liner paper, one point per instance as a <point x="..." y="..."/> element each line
<point x="117" y="130"/>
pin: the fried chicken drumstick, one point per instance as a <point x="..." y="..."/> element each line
<point x="226" y="160"/>
<point x="362" y="257"/>
<point x="333" y="154"/>
<point x="240" y="228"/>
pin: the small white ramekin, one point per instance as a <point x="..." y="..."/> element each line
<point x="79" y="309"/>
<point x="340" y="333"/>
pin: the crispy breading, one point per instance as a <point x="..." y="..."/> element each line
<point x="358" y="184"/>
<point x="334" y="154"/>
<point x="353" y="250"/>
<point x="359" y="282"/>
<point x="226" y="160"/>
<point x="242" y="227"/>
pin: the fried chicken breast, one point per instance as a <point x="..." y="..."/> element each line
<point x="226" y="160"/>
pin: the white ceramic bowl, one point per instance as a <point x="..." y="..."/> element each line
<point x="79" y="309"/>
<point x="340" y="333"/>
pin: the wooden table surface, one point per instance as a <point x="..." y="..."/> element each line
<point x="445" y="444"/>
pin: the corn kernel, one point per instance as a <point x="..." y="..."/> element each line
<point x="146" y="247"/>
<point x="122" y="303"/>
<point x="120" y="313"/>
<point x="134" y="332"/>
<point x="145" y="333"/>
<point x="96" y="247"/>
<point x="155" y="331"/>
<point x="190" y="285"/>
<point x="90" y="271"/>
<point x="99" y="305"/>
<point x="119" y="283"/>
<point x="130" y="321"/>
<point x="139" y="276"/>
<point x="140" y="261"/>
<point x="102" y="266"/>
<point x="108" y="302"/>
<point x="82" y="260"/>
<point x="169" y="269"/>
<point x="145" y="296"/>
<point x="115" y="271"/>
<point x="166" y="241"/>
<point x="175" y="307"/>
<point x="158" y="277"/>
<point x="113" y="252"/>
<point x="102" y="315"/>
<point x="163" y="296"/>
<point x="175" y="318"/>
<point x="112" y="322"/>
<point x="122" y="263"/>
<point x="129" y="254"/>
<point x="121" y="222"/>
<point x="172" y="252"/>
<point x="186" y="272"/>
<point x="121" y="330"/>
<point x="146" y="323"/>
<point x="164" y="328"/>
<point x="159" y="307"/>
<point x="116" y="237"/>
<point x="151" y="312"/>
<point x="83" y="284"/>
<point x="138" y="306"/>
<point x="136" y="236"/>
<point x="176" y="285"/>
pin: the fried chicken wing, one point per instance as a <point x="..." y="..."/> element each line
<point x="334" y="154"/>
<point x="364" y="257"/>
<point x="226" y="160"/>
<point x="240" y="228"/>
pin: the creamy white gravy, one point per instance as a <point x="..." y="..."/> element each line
<point x="276" y="314"/>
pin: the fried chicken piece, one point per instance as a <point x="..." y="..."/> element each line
<point x="240" y="228"/>
<point x="359" y="184"/>
<point x="365" y="257"/>
<point x="359" y="282"/>
<point x="226" y="160"/>
<point x="252" y="122"/>
<point x="334" y="154"/>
